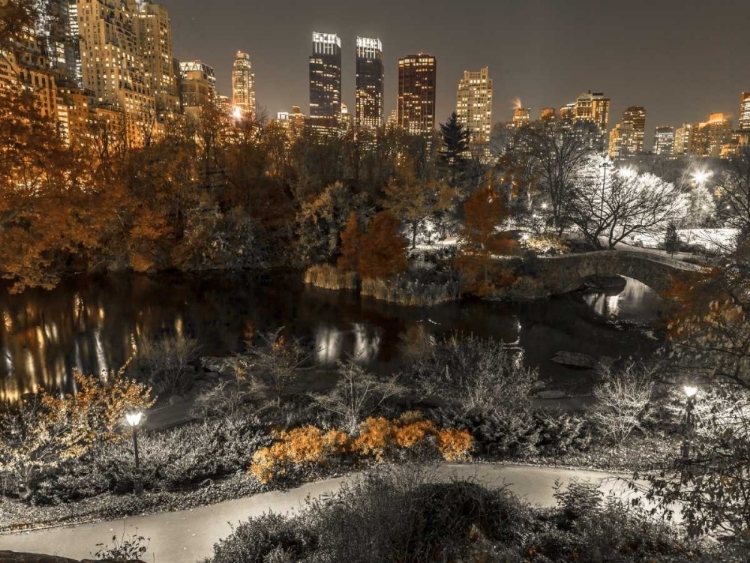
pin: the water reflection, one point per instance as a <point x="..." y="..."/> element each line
<point x="96" y="325"/>
<point x="637" y="302"/>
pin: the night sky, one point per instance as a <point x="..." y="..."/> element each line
<point x="681" y="59"/>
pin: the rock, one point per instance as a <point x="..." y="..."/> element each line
<point x="551" y="394"/>
<point x="176" y="400"/>
<point x="574" y="359"/>
<point x="219" y="366"/>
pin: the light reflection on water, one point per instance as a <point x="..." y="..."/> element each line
<point x="637" y="303"/>
<point x="96" y="325"/>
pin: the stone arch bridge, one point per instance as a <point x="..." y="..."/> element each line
<point x="562" y="274"/>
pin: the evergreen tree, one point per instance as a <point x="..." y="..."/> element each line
<point x="672" y="239"/>
<point x="455" y="142"/>
<point x="351" y="240"/>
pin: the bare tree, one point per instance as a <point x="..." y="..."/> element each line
<point x="277" y="362"/>
<point x="622" y="398"/>
<point x="735" y="192"/>
<point x="357" y="394"/>
<point x="613" y="204"/>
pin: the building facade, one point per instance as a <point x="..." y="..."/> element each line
<point x="243" y="87"/>
<point x="197" y="87"/>
<point x="325" y="80"/>
<point x="635" y="116"/>
<point x="154" y="32"/>
<point x="370" y="83"/>
<point x="744" y="121"/>
<point x="417" y="88"/>
<point x="592" y="108"/>
<point x="710" y="138"/>
<point x="474" y="104"/>
<point x="664" y="141"/>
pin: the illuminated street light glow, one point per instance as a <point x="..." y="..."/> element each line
<point x="134" y="418"/>
<point x="700" y="177"/>
<point x="690" y="391"/>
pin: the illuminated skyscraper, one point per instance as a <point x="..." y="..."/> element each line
<point x="682" y="139"/>
<point x="709" y="138"/>
<point x="474" y="106"/>
<point x="112" y="61"/>
<point x="243" y="87"/>
<point x="370" y="83"/>
<point x="417" y="86"/>
<point x="636" y="117"/>
<point x="154" y="33"/>
<point x="325" y="80"/>
<point x="744" y="124"/>
<point x="593" y="108"/>
<point x="197" y="86"/>
<point x="547" y="114"/>
<point x="664" y="138"/>
<point x="521" y="117"/>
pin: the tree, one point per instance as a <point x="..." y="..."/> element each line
<point x="46" y="429"/>
<point x="672" y="239"/>
<point x="351" y="240"/>
<point x="277" y="362"/>
<point x="614" y="204"/>
<point x="383" y="249"/>
<point x="479" y="241"/>
<point x="557" y="151"/>
<point x="16" y="17"/>
<point x="356" y="395"/>
<point x="735" y="191"/>
<point x="455" y="141"/>
<point x="413" y="200"/>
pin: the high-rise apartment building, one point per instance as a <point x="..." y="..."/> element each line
<point x="635" y="116"/>
<point x="325" y="80"/>
<point x="370" y="83"/>
<point x="243" y="87"/>
<point x="548" y="114"/>
<point x="417" y="87"/>
<point x="474" y="105"/>
<point x="744" y="121"/>
<point x="521" y="117"/>
<point x="154" y="33"/>
<point x="592" y="108"/>
<point x="682" y="139"/>
<point x="664" y="141"/>
<point x="197" y="87"/>
<point x="710" y="138"/>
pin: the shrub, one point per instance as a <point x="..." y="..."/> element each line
<point x="167" y="361"/>
<point x="378" y="438"/>
<point x="415" y="288"/>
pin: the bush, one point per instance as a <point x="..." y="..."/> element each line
<point x="406" y="514"/>
<point x="167" y="362"/>
<point x="415" y="288"/>
<point x="300" y="448"/>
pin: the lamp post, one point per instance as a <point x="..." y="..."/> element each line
<point x="690" y="393"/>
<point x="605" y="164"/>
<point x="134" y="419"/>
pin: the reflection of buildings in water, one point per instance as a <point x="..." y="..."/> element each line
<point x="328" y="344"/>
<point x="366" y="346"/>
<point x="602" y="304"/>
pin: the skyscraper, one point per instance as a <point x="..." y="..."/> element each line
<point x="474" y="105"/>
<point x="709" y="138"/>
<point x="325" y="80"/>
<point x="243" y="87"/>
<point x="417" y="85"/>
<point x="154" y="32"/>
<point x="636" y="117"/>
<point x="370" y="83"/>
<point x="744" y="124"/>
<point x="682" y="139"/>
<point x="593" y="108"/>
<point x="664" y="138"/>
<point x="112" y="61"/>
<point x="197" y="87"/>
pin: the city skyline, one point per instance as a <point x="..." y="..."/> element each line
<point x="528" y="60"/>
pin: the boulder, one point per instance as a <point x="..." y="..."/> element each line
<point x="176" y="400"/>
<point x="216" y="365"/>
<point x="575" y="359"/>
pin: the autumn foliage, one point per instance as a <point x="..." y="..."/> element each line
<point x="382" y="250"/>
<point x="47" y="429"/>
<point x="480" y="243"/>
<point x="378" y="438"/>
<point x="351" y="240"/>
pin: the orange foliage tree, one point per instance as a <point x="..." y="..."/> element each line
<point x="479" y="241"/>
<point x="47" y="428"/>
<point x="351" y="240"/>
<point x="382" y="249"/>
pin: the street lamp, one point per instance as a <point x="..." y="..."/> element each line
<point x="134" y="420"/>
<point x="690" y="392"/>
<point x="700" y="177"/>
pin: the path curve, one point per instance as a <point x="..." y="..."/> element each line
<point x="188" y="536"/>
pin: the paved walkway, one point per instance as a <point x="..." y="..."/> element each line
<point x="188" y="536"/>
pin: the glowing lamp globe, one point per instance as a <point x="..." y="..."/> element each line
<point x="690" y="391"/>
<point x="134" y="418"/>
